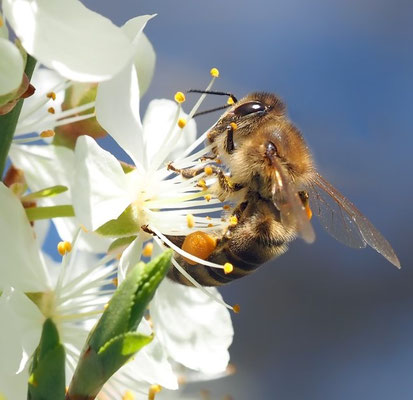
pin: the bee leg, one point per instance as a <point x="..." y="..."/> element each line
<point x="185" y="172"/>
<point x="226" y="184"/>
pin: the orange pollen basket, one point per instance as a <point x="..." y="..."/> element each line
<point x="199" y="244"/>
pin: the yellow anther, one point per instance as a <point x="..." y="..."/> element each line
<point x="1" y="22"/>
<point x="234" y="126"/>
<point x="179" y="97"/>
<point x="210" y="225"/>
<point x="190" y="220"/>
<point x="228" y="268"/>
<point x="233" y="220"/>
<point x="236" y="308"/>
<point x="51" y="95"/>
<point x="148" y="249"/>
<point x="208" y="197"/>
<point x="115" y="282"/>
<point x="51" y="110"/>
<point x="153" y="390"/>
<point x="226" y="207"/>
<point x="64" y="247"/>
<point x="214" y="72"/>
<point x="208" y="218"/>
<point x="106" y="306"/>
<point x="202" y="183"/>
<point x="218" y="161"/>
<point x="208" y="170"/>
<point x="230" y="101"/>
<point x="47" y="133"/>
<point x="128" y="396"/>
<point x="182" y="122"/>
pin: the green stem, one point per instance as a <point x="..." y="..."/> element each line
<point x="8" y="122"/>
<point x="36" y="213"/>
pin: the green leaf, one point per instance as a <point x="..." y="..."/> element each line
<point x="47" y="192"/>
<point x="47" y="378"/>
<point x="36" y="213"/>
<point x="124" y="225"/>
<point x="114" y="339"/>
<point x="119" y="350"/>
<point x="129" y="302"/>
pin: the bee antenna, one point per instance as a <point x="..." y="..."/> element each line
<point x="234" y="99"/>
<point x="211" y="110"/>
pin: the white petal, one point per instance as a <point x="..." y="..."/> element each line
<point x="20" y="262"/>
<point x="21" y="334"/>
<point x="117" y="110"/>
<point x="145" y="59"/>
<point x="66" y="36"/>
<point x="195" y="330"/>
<point x="144" y="53"/>
<point x="99" y="190"/>
<point x="151" y="363"/>
<point x="46" y="166"/>
<point x="130" y="257"/>
<point x="14" y="386"/>
<point x="11" y="67"/>
<point x="158" y="123"/>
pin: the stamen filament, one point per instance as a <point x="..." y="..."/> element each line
<point x="201" y="99"/>
<point x="197" y="285"/>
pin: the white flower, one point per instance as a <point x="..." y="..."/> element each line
<point x="46" y="166"/>
<point x="101" y="189"/>
<point x="35" y="288"/>
<point x="66" y="36"/>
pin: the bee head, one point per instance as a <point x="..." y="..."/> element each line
<point x="276" y="145"/>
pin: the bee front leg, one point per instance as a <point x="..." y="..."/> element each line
<point x="187" y="173"/>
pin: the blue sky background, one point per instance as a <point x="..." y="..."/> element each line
<point x="323" y="321"/>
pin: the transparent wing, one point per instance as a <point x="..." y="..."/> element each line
<point x="292" y="211"/>
<point x="344" y="221"/>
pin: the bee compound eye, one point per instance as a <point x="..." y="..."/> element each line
<point x="249" y="108"/>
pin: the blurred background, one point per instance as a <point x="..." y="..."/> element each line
<point x="323" y="321"/>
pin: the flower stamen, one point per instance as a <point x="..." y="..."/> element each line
<point x="214" y="72"/>
<point x="153" y="390"/>
<point x="190" y="221"/>
<point x="128" y="396"/>
<point x="148" y="249"/>
<point x="182" y="122"/>
<point x="47" y="133"/>
<point x="64" y="247"/>
<point x="228" y="268"/>
<point x="179" y="97"/>
<point x="51" y="95"/>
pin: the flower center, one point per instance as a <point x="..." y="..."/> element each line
<point x="45" y="301"/>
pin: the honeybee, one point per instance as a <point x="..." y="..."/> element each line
<point x="275" y="188"/>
